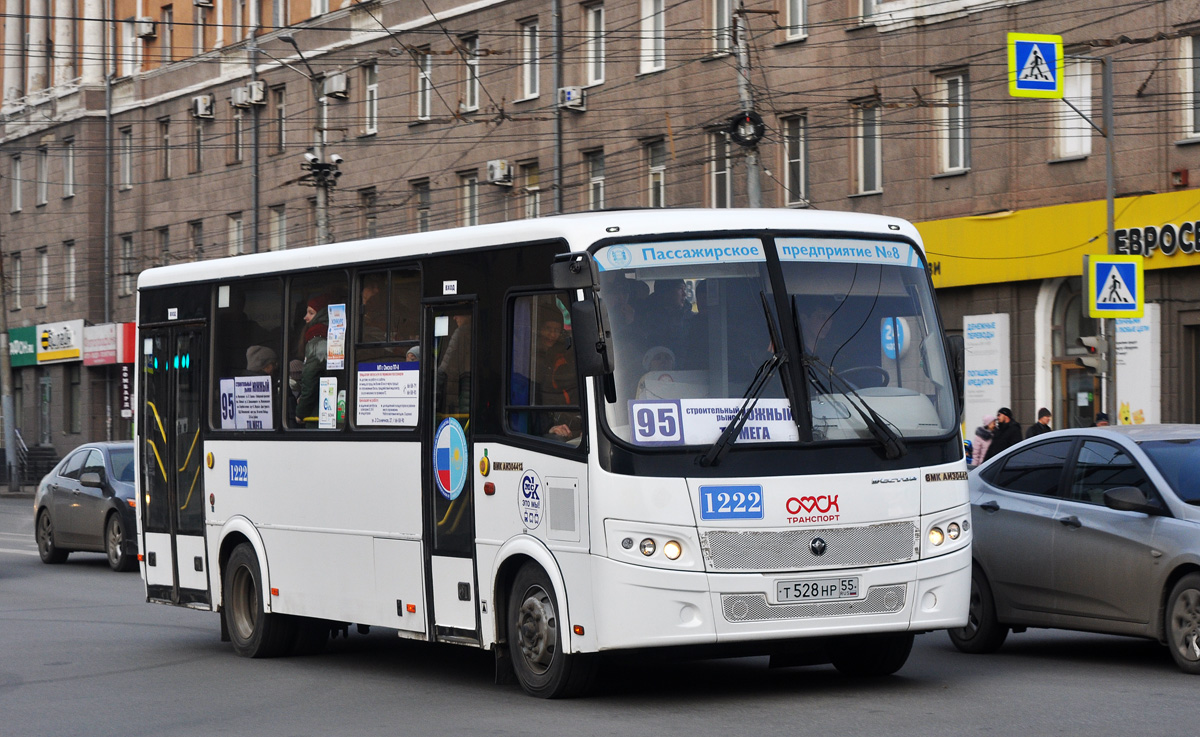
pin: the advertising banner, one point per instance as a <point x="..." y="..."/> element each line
<point x="22" y="346"/>
<point x="59" y="342"/>
<point x="1139" y="368"/>
<point x="989" y="366"/>
<point x="100" y="344"/>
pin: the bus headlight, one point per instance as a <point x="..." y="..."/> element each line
<point x="648" y="547"/>
<point x="672" y="550"/>
<point x="936" y="536"/>
<point x="953" y="531"/>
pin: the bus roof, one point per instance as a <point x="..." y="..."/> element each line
<point x="580" y="230"/>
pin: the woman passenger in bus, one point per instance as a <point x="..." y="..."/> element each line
<point x="556" y="380"/>
<point x="313" y="347"/>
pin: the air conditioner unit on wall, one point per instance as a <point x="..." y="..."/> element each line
<point x="257" y="90"/>
<point x="572" y="98"/>
<point x="336" y="85"/>
<point x="202" y="3"/>
<point x="499" y="171"/>
<point x="239" y="97"/>
<point x="144" y="28"/>
<point x="202" y="106"/>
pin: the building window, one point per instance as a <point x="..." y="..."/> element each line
<point x="237" y="234"/>
<point x="237" y="135"/>
<point x="531" y="191"/>
<point x="275" y="132"/>
<point x="866" y="9"/>
<point x="239" y="20"/>
<point x="125" y="180"/>
<point x="277" y="228"/>
<point x="529" y="59"/>
<point x="166" y="35"/>
<point x="593" y="44"/>
<point x="654" y="36"/>
<point x="656" y="166"/>
<point x="320" y="7"/>
<point x="719" y="163"/>
<point x="279" y="10"/>
<point x="68" y="167"/>
<point x="722" y="19"/>
<point x="594" y="162"/>
<point x="868" y="151"/>
<point x="371" y="101"/>
<point x="69" y="261"/>
<point x="197" y="157"/>
<point x="1074" y="134"/>
<point x="128" y="275"/>
<point x="15" y="182"/>
<point x="74" y="404"/>
<point x="470" y="52"/>
<point x="469" y="198"/>
<point x="424" y="83"/>
<point x="164" y="246"/>
<point x="16" y="284"/>
<point x="42" y="171"/>
<point x="423" y="199"/>
<point x="42" y="294"/>
<point x="368" y="206"/>
<point x="198" y="29"/>
<point x="794" y="168"/>
<point x="164" y="148"/>
<point x="130" y="47"/>
<point x="796" y="20"/>
<point x="951" y="114"/>
<point x="196" y="238"/>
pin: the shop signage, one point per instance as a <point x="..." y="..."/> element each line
<point x="22" y="346"/>
<point x="99" y="344"/>
<point x="59" y="342"/>
<point x="988" y="366"/>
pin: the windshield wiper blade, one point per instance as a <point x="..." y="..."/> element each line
<point x="893" y="445"/>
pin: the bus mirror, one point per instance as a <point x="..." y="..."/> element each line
<point x="574" y="271"/>
<point x="591" y="348"/>
<point x="957" y="353"/>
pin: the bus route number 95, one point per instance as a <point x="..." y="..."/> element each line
<point x="656" y="423"/>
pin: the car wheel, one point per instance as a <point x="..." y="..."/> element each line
<point x="254" y="632"/>
<point x="983" y="633"/>
<point x="114" y="545"/>
<point x="48" y="551"/>
<point x="873" y="655"/>
<point x="1183" y="623"/>
<point x="535" y="640"/>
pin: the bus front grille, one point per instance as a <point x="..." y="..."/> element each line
<point x="756" y="608"/>
<point x="792" y="550"/>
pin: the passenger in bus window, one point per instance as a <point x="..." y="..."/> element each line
<point x="413" y="355"/>
<point x="313" y="346"/>
<point x="261" y="361"/>
<point x="556" y="379"/>
<point x="374" y="309"/>
<point x="454" y="371"/>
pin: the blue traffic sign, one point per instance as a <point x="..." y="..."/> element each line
<point x="1115" y="286"/>
<point x="1035" y="65"/>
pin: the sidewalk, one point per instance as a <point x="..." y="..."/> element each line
<point x="25" y="491"/>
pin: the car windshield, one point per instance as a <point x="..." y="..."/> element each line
<point x="1176" y="460"/>
<point x="690" y="331"/>
<point x="122" y="464"/>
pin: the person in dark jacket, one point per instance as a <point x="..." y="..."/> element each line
<point x="1006" y="435"/>
<point x="1041" y="426"/>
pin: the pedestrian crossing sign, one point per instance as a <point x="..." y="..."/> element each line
<point x="1115" y="286"/>
<point x="1035" y="65"/>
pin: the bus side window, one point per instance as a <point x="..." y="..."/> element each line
<point x="318" y="329"/>
<point x="543" y="385"/>
<point x="388" y="348"/>
<point x="247" y="355"/>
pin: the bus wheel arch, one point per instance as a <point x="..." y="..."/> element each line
<point x="254" y="631"/>
<point x="514" y="554"/>
<point x="538" y="630"/>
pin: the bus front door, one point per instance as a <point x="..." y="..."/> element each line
<point x="450" y="517"/>
<point x="171" y="504"/>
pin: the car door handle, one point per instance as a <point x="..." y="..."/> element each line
<point x="990" y="506"/>
<point x="1071" y="521"/>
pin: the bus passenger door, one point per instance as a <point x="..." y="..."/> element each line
<point x="171" y="503"/>
<point x="450" y="516"/>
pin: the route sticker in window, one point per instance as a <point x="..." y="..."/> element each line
<point x="246" y="403"/>
<point x="450" y="458"/>
<point x="387" y="393"/>
<point x="701" y="421"/>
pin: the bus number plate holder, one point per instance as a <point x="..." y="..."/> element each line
<point x="819" y="589"/>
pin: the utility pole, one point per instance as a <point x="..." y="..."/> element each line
<point x="744" y="132"/>
<point x="6" y="398"/>
<point x="324" y="173"/>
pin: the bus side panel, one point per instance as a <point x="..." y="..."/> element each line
<point x="400" y="584"/>
<point x="158" y="545"/>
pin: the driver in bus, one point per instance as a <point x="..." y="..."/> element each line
<point x="556" y="382"/>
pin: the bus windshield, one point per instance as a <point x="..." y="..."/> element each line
<point x="690" y="331"/>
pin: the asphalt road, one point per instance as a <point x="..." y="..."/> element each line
<point x="81" y="653"/>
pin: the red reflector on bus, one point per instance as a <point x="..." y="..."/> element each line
<point x="412" y="608"/>
<point x="489" y="488"/>
<point x="140" y="558"/>
<point x="274" y="592"/>
<point x="577" y="629"/>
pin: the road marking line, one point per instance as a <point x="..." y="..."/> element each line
<point x="18" y="552"/>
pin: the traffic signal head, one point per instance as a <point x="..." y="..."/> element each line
<point x="1096" y="359"/>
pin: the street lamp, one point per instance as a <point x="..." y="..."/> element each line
<point x="324" y="173"/>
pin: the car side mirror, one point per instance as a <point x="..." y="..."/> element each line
<point x="91" y="479"/>
<point x="1130" y="499"/>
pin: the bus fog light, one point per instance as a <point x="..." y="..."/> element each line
<point x="647" y="547"/>
<point x="672" y="550"/>
<point x="936" y="536"/>
<point x="952" y="530"/>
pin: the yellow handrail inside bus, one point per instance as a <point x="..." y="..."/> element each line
<point x="161" y="431"/>
<point x="157" y="457"/>
<point x="190" y="489"/>
<point x="189" y="455"/>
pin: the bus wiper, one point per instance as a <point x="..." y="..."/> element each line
<point x="893" y="445"/>
<point x="765" y="371"/>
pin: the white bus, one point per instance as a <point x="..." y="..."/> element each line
<point x="729" y="429"/>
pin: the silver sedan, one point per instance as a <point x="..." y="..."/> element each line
<point x="1093" y="529"/>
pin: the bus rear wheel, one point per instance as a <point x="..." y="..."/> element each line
<point x="535" y="640"/>
<point x="254" y="632"/>
<point x="873" y="655"/>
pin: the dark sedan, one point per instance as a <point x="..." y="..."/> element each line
<point x="1093" y="529"/>
<point x="88" y="503"/>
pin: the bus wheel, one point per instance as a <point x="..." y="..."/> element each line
<point x="983" y="633"/>
<point x="253" y="632"/>
<point x="535" y="640"/>
<point x="873" y="655"/>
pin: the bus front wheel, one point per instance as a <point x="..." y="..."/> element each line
<point x="535" y="640"/>
<point x="254" y="632"/>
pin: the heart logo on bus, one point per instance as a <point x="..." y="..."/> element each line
<point x="822" y="504"/>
